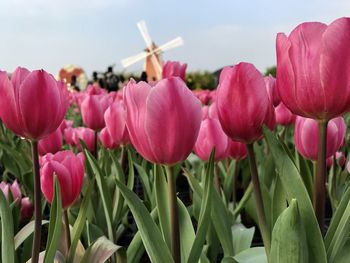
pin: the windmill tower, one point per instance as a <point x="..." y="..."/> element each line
<point x="152" y="54"/>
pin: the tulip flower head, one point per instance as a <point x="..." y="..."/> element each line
<point x="32" y="104"/>
<point x="242" y="103"/>
<point x="163" y="121"/>
<point x="51" y="144"/>
<point x="174" y="69"/>
<point x="69" y="169"/>
<point x="306" y="136"/>
<point x="309" y="62"/>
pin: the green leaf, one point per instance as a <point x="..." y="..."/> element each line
<point x="80" y="222"/>
<point x="7" y="239"/>
<point x="25" y="232"/>
<point x="101" y="250"/>
<point x="242" y="237"/>
<point x="104" y="193"/>
<point x="205" y="212"/>
<point x="252" y="255"/>
<point x="279" y="200"/>
<point x="243" y="202"/>
<point x="55" y="224"/>
<point x="145" y="180"/>
<point x="229" y="179"/>
<point x="152" y="239"/>
<point x="295" y="189"/>
<point x="162" y="200"/>
<point x="344" y="255"/>
<point x="187" y="235"/>
<point x="289" y="238"/>
<point x="339" y="229"/>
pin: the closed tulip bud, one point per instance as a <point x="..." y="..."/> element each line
<point x="115" y="119"/>
<point x="237" y="150"/>
<point x="308" y="64"/>
<point x="163" y="121"/>
<point x="51" y="144"/>
<point x="69" y="169"/>
<point x="32" y="104"/>
<point x="243" y="104"/>
<point x="68" y="136"/>
<point x="14" y="188"/>
<point x="66" y="124"/>
<point x="174" y="69"/>
<point x="211" y="135"/>
<point x="86" y="135"/>
<point x="272" y="90"/>
<point x="340" y="157"/>
<point x="92" y="112"/>
<point x="283" y="115"/>
<point x="107" y="140"/>
<point x="27" y="209"/>
<point x="306" y="136"/>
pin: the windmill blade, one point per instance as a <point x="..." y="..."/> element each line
<point x="133" y="59"/>
<point x="144" y="32"/>
<point x="176" y="42"/>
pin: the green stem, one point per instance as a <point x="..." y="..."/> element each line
<point x="95" y="153"/>
<point x="37" y="203"/>
<point x="174" y="217"/>
<point x="216" y="178"/>
<point x="265" y="233"/>
<point x="66" y="223"/>
<point x="320" y="180"/>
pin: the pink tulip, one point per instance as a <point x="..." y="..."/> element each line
<point x="107" y="140"/>
<point x="174" y="69"/>
<point x="85" y="134"/>
<point x="66" y="124"/>
<point x="69" y="169"/>
<point x="309" y="63"/>
<point x="32" y="104"/>
<point x="211" y="135"/>
<point x="243" y="104"/>
<point x="92" y="112"/>
<point x="283" y="115"/>
<point x="163" y="121"/>
<point x="237" y="150"/>
<point x="306" y="136"/>
<point x="339" y="157"/>
<point x="68" y="136"/>
<point x="203" y="95"/>
<point x="14" y="188"/>
<point x="27" y="209"/>
<point x="272" y="90"/>
<point x="205" y="112"/>
<point x="348" y="166"/>
<point x="51" y="143"/>
<point x="95" y="90"/>
<point x="115" y="119"/>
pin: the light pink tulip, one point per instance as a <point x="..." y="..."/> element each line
<point x="92" y="112"/>
<point x="283" y="115"/>
<point x="243" y="104"/>
<point x="211" y="135"/>
<point x="115" y="119"/>
<point x="306" y="136"/>
<point x="14" y="188"/>
<point x="69" y="169"/>
<point x="163" y="121"/>
<point x="107" y="140"/>
<point x="85" y="134"/>
<point x="32" y="104"/>
<point x="174" y="69"/>
<point x="313" y="65"/>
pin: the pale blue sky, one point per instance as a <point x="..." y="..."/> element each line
<point x="95" y="33"/>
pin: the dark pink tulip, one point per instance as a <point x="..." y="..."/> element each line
<point x="69" y="169"/>
<point x="27" y="209"/>
<point x="340" y="157"/>
<point x="51" y="144"/>
<point x="237" y="150"/>
<point x="14" y="188"/>
<point x="205" y="112"/>
<point x="115" y="119"/>
<point x="95" y="90"/>
<point x="163" y="121"/>
<point x="92" y="112"/>
<point x="174" y="69"/>
<point x="243" y="104"/>
<point x="85" y="134"/>
<point x="272" y="90"/>
<point x="66" y="124"/>
<point x="32" y="104"/>
<point x="107" y="140"/>
<point x="68" y="136"/>
<point x="211" y="135"/>
<point x="309" y="65"/>
<point x="306" y="136"/>
<point x="283" y="115"/>
<point x="203" y="95"/>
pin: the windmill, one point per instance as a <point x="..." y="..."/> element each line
<point x="152" y="54"/>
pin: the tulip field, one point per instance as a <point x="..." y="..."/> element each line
<point x="254" y="171"/>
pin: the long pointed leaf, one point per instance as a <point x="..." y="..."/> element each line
<point x="7" y="239"/>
